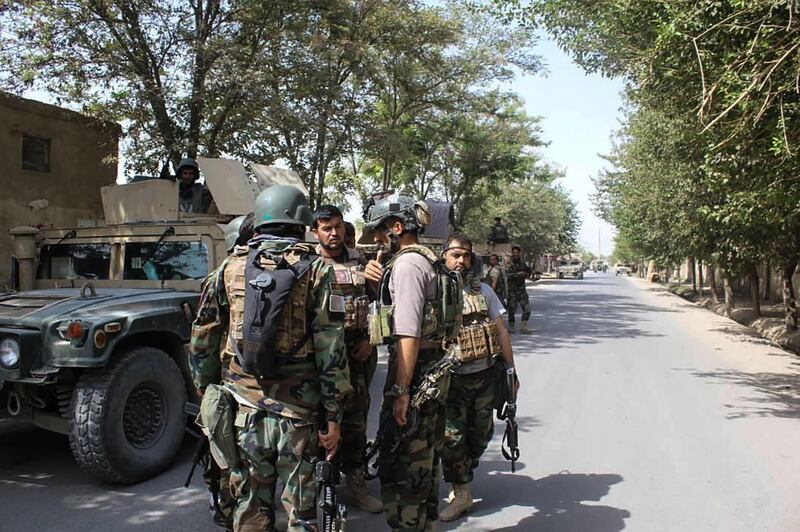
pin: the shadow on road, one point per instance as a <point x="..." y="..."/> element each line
<point x="558" y="500"/>
<point x="563" y="319"/>
<point x="775" y="394"/>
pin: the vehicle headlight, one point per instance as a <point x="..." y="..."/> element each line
<point x="9" y="353"/>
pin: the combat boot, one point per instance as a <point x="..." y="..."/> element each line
<point x="459" y="505"/>
<point x="523" y="327"/>
<point x="359" y="496"/>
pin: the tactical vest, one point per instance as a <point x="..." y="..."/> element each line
<point x="292" y="335"/>
<point x="349" y="281"/>
<point x="441" y="315"/>
<point x="234" y="289"/>
<point x="478" y="335"/>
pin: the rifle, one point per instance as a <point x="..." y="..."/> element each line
<point x="202" y="455"/>
<point x="394" y="435"/>
<point x="331" y="517"/>
<point x="508" y="412"/>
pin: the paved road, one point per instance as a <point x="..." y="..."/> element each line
<point x="638" y="412"/>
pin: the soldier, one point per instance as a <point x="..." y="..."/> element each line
<point x="494" y="277"/>
<point x="277" y="413"/>
<point x="349" y="235"/>
<point x="209" y="365"/>
<point x="498" y="233"/>
<point x="192" y="196"/>
<point x="362" y="359"/>
<point x="408" y="464"/>
<point x="471" y="397"/>
<point x="516" y="273"/>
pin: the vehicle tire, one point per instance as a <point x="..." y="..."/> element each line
<point x="560" y="275"/>
<point x="127" y="419"/>
<point x="580" y="275"/>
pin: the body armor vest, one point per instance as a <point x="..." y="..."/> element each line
<point x="441" y="316"/>
<point x="478" y="336"/>
<point x="349" y="281"/>
<point x="291" y="337"/>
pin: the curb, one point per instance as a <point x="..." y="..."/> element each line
<point x="771" y="329"/>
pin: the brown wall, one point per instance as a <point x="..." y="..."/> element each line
<point x="83" y="154"/>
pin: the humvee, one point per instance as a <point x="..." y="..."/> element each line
<point x="92" y="342"/>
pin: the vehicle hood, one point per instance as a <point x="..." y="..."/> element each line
<point x="30" y="309"/>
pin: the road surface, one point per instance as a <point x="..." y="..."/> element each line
<point x="638" y="411"/>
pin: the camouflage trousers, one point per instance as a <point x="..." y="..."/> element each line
<point x="409" y="473"/>
<point x="356" y="410"/>
<point x="518" y="297"/>
<point x="273" y="446"/>
<point x="470" y="425"/>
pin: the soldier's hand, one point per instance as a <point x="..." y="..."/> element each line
<point x="400" y="409"/>
<point x="330" y="440"/>
<point x="373" y="271"/>
<point x="362" y="350"/>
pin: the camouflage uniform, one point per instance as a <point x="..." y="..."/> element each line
<point x="470" y="400"/>
<point x="277" y="417"/>
<point x="516" y="273"/>
<point x="349" y="282"/>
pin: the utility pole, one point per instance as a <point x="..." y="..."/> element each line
<point x="599" y="243"/>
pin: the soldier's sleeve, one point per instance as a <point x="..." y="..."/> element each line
<point x="208" y="328"/>
<point x="330" y="357"/>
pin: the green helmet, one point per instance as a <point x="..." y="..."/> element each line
<point x="232" y="232"/>
<point x="414" y="215"/>
<point x="281" y="204"/>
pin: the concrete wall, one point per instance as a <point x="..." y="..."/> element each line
<point x="83" y="153"/>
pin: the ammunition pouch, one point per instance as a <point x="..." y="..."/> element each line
<point x="216" y="418"/>
<point x="478" y="341"/>
<point x="379" y="320"/>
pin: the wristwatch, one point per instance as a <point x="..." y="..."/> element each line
<point x="397" y="390"/>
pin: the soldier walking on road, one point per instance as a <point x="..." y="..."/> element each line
<point x="362" y="358"/>
<point x="265" y="423"/>
<point x="410" y="293"/>
<point x="473" y="385"/>
<point x="210" y="361"/>
<point x="516" y="272"/>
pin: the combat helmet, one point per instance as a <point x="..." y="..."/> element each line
<point x="281" y="204"/>
<point x="232" y="232"/>
<point x="415" y="215"/>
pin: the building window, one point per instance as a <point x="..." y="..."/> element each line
<point x="35" y="154"/>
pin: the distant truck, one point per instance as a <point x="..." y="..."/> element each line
<point x="569" y="268"/>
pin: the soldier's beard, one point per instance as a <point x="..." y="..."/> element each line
<point x="335" y="249"/>
<point x="394" y="242"/>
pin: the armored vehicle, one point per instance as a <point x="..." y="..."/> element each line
<point x="92" y="342"/>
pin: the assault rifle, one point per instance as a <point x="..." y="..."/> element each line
<point x="390" y="435"/>
<point x="202" y="456"/>
<point x="508" y="412"/>
<point x="331" y="517"/>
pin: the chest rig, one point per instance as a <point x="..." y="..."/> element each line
<point x="349" y="282"/>
<point x="478" y="335"/>
<point x="441" y="315"/>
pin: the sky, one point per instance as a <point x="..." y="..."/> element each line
<point x="579" y="113"/>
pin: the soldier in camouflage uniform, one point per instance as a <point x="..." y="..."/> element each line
<point x="212" y="300"/>
<point x="516" y="273"/>
<point x="278" y="416"/>
<point x="470" y="400"/>
<point x="362" y="358"/>
<point x="409" y="472"/>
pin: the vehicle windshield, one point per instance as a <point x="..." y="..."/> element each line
<point x="74" y="261"/>
<point x="171" y="261"/>
<point x="575" y="263"/>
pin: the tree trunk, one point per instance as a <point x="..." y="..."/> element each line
<point x="693" y="274"/>
<point x="700" y="276"/>
<point x="789" y="302"/>
<point x="726" y="283"/>
<point x="755" y="293"/>
<point x="712" y="283"/>
<point x="768" y="282"/>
